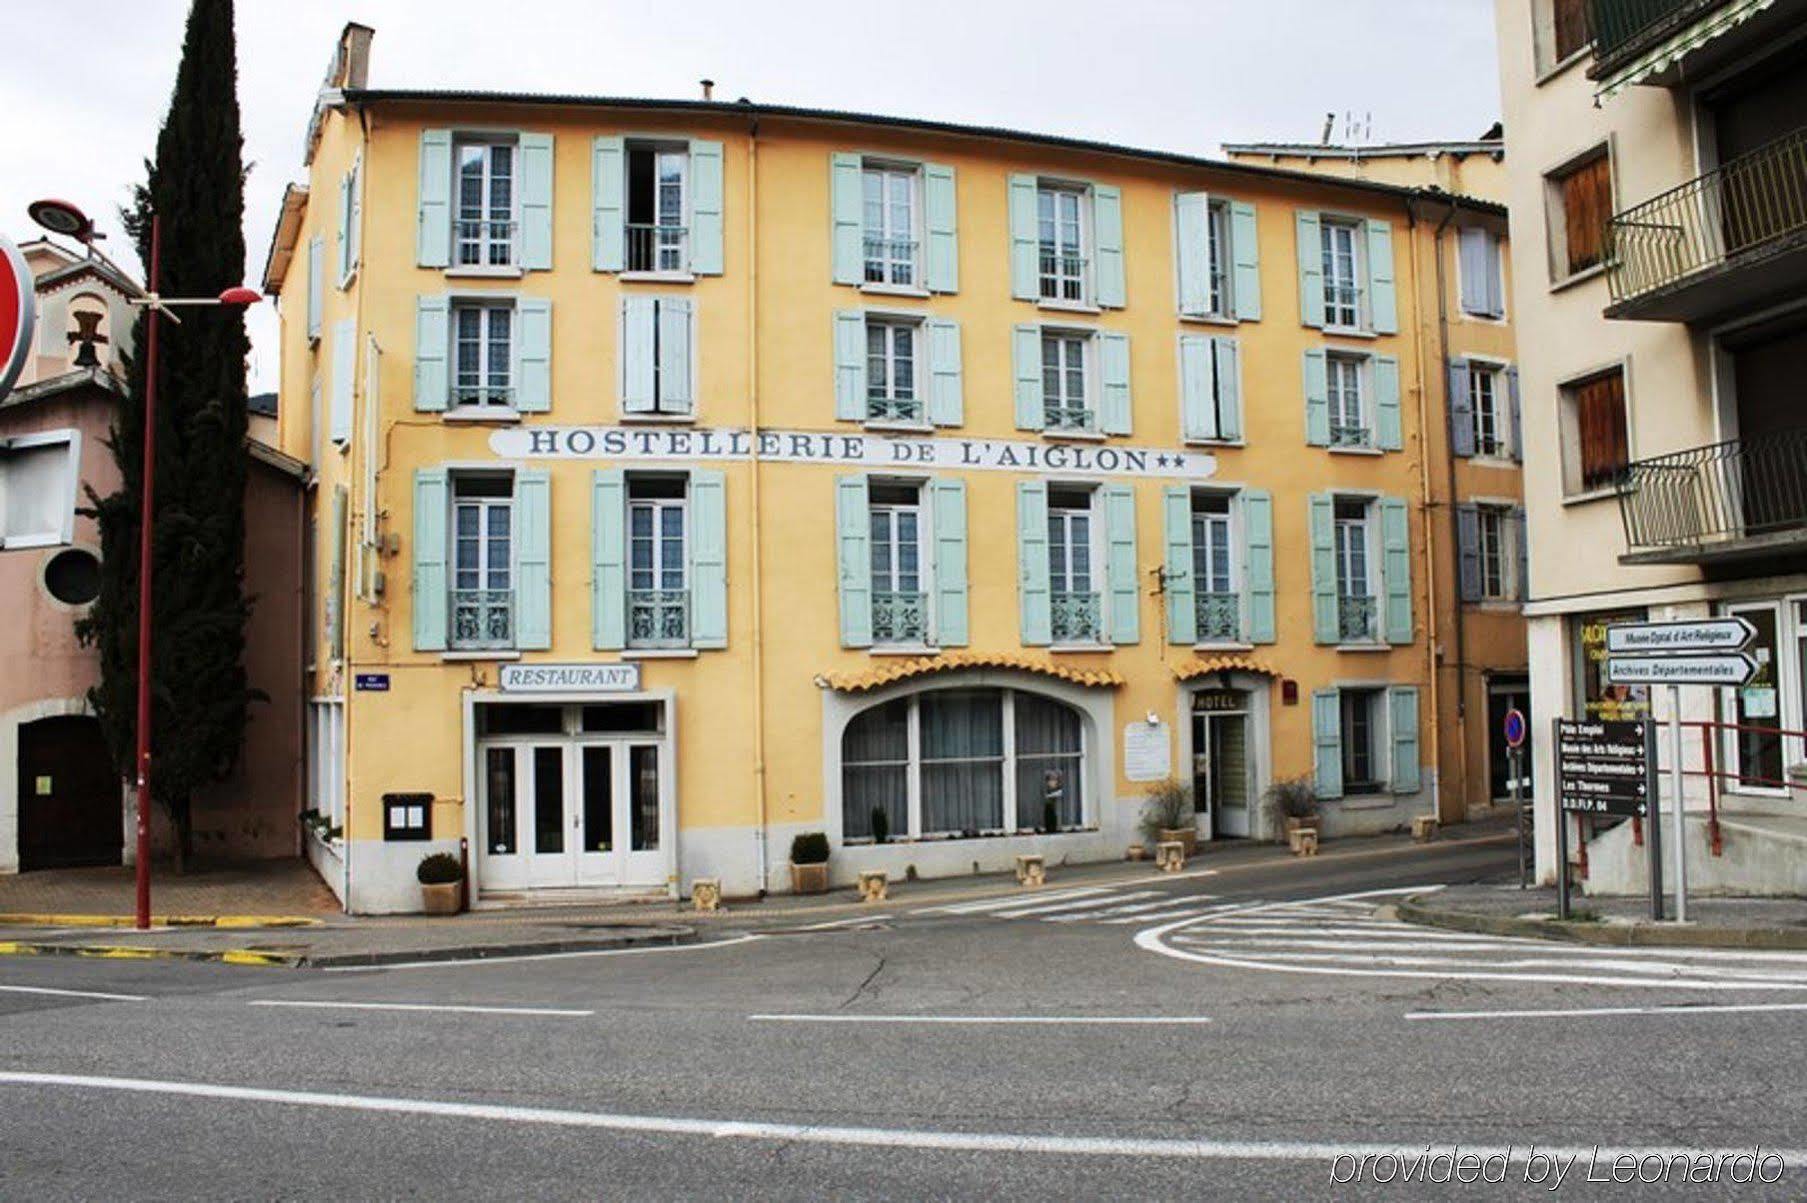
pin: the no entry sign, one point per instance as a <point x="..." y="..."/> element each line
<point x="18" y="313"/>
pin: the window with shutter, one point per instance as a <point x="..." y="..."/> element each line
<point x="1594" y="412"/>
<point x="1582" y="196"/>
<point x="1571" y="29"/>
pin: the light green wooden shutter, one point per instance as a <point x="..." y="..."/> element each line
<point x="344" y="353"/>
<point x="433" y="231"/>
<point x="677" y="333"/>
<point x="432" y="345"/>
<point x="1026" y="341"/>
<point x="335" y="583"/>
<point x="1033" y="589"/>
<point x="536" y="202"/>
<point x="1107" y="230"/>
<point x="639" y="320"/>
<point x="533" y="559"/>
<point x="533" y="355"/>
<point x="1396" y="570"/>
<point x="708" y="559"/>
<point x="1025" y="260"/>
<point x="947" y="498"/>
<point x="942" y="271"/>
<point x="608" y="560"/>
<point x="1402" y="720"/>
<point x="1121" y="574"/>
<point x="1327" y="742"/>
<point x="1324" y="625"/>
<point x="344" y="236"/>
<point x="355" y="228"/>
<point x="1389" y="430"/>
<point x="1258" y="564"/>
<point x="1317" y="398"/>
<point x="608" y="207"/>
<point x="850" y="365"/>
<point x="846" y="200"/>
<point x="316" y="292"/>
<point x="1245" y="254"/>
<point x="706" y="207"/>
<point x="1198" y="371"/>
<point x="1311" y="268"/>
<point x="1113" y="373"/>
<point x="853" y="543"/>
<point x="1176" y="565"/>
<point x="1383" y="306"/>
<point x="1227" y="357"/>
<point x="1192" y="250"/>
<point x="946" y="391"/>
<point x="432" y="504"/>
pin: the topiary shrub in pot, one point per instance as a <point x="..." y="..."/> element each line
<point x="441" y="878"/>
<point x="809" y="863"/>
<point x="1167" y="815"/>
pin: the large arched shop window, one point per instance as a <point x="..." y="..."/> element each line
<point x="975" y="760"/>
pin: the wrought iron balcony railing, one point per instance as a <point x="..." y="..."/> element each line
<point x="484" y="242"/>
<point x="474" y="394"/>
<point x="482" y="618"/>
<point x="1747" y="208"/>
<point x="1621" y="27"/>
<point x="658" y="618"/>
<point x="1690" y="501"/>
<point x="657" y="248"/>
<point x="890" y="260"/>
<point x="1355" y="615"/>
<point x="900" y="617"/>
<point x="1076" y="618"/>
<point x="881" y="408"/>
<point x="1343" y="306"/>
<point x="1070" y="418"/>
<point x="1344" y="435"/>
<point x="1062" y="276"/>
<point x="1219" y="617"/>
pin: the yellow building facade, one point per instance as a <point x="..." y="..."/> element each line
<point x="693" y="475"/>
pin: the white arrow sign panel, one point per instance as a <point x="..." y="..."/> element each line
<point x="1680" y="670"/>
<point x="1727" y="634"/>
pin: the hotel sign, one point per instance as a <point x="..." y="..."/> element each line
<point x="703" y="445"/>
<point x="569" y="678"/>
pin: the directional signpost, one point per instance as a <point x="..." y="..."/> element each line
<point x="1606" y="768"/>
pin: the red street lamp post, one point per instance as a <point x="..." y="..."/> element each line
<point x="61" y="217"/>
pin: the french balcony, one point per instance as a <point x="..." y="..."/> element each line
<point x="1344" y="435"/>
<point x="1219" y="617"/>
<point x="1357" y="616"/>
<point x="891" y="261"/>
<point x="1669" y="42"/>
<point x="1070" y="419"/>
<point x="1727" y="501"/>
<point x="482" y="619"/>
<point x="885" y="407"/>
<point x="900" y="618"/>
<point x="657" y="248"/>
<point x="484" y="242"/>
<point x="1729" y="241"/>
<point x="1076" y="618"/>
<point x="658" y="618"/>
<point x="1064" y="277"/>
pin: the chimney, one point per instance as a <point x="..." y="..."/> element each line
<point x="351" y="65"/>
<point x="708" y="89"/>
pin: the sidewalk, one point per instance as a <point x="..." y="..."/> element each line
<point x="286" y="888"/>
<point x="1502" y="909"/>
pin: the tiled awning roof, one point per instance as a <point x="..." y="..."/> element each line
<point x="904" y="669"/>
<point x="1199" y="666"/>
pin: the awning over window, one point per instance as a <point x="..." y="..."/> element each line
<point x="1679" y="45"/>
<point x="1199" y="666"/>
<point x="906" y="668"/>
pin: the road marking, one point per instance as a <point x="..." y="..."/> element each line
<point x="1162" y="902"/>
<point x="990" y="904"/>
<point x="378" y="1006"/>
<point x="1124" y="1020"/>
<point x="74" y="993"/>
<point x="1584" y="1012"/>
<point x="1319" y="1152"/>
<point x="1042" y="908"/>
<point x="542" y="956"/>
<point x="1184" y="912"/>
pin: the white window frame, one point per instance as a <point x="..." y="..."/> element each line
<point x="890" y="324"/>
<point x="1496" y="254"/>
<point x="1226" y="522"/>
<point x="460" y="407"/>
<point x="1556" y="228"/>
<point x="351" y="249"/>
<point x="486" y="240"/>
<point x="1082" y="282"/>
<point x="483" y="505"/>
<point x="1097" y="564"/>
<point x="1369" y="561"/>
<point x="1568" y="418"/>
<point x="326" y="765"/>
<point x="1220" y="261"/>
<point x="1328" y="226"/>
<point x="658" y="507"/>
<point x="1336" y="399"/>
<point x="1496" y="539"/>
<point x="1497" y="412"/>
<point x="886" y="171"/>
<point x="1066" y="340"/>
<point x="1791" y="637"/>
<point x="1380" y="739"/>
<point x="662" y="247"/>
<point x="925" y="584"/>
<point x="64" y="534"/>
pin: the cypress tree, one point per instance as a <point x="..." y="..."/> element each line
<point x="200" y="696"/>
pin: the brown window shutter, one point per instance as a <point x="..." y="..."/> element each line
<point x="1571" y="27"/>
<point x="1586" y="208"/>
<point x="1600" y="420"/>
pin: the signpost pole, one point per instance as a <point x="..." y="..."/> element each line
<point x="1562" y="828"/>
<point x="1681" y="806"/>
<point x="1656" y="821"/>
<point x="1515" y="766"/>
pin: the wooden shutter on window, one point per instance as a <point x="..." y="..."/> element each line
<point x="1571" y="27"/>
<point x="608" y="205"/>
<point x="1586" y="208"/>
<point x="1258" y="563"/>
<point x="708" y="559"/>
<point x="1121" y="573"/>
<point x="1032" y="563"/>
<point x="536" y="202"/>
<point x="1461" y="410"/>
<point x="1025" y="262"/>
<point x="432" y="343"/>
<point x="1245" y="250"/>
<point x="946" y="392"/>
<point x="1600" y="421"/>
<point x="608" y="559"/>
<point x="533" y="355"/>
<point x="433" y="227"/>
<point x="1327" y="742"/>
<point x="1027" y="344"/>
<point x="1324" y="625"/>
<point x="1107" y="233"/>
<point x="847" y="232"/>
<point x="941" y="270"/>
<point x="850" y="365"/>
<point x="948" y="500"/>
<point x="1192" y="251"/>
<point x="1402" y="720"/>
<point x="853" y="534"/>
<point x="432" y="495"/>
<point x="706" y="207"/>
<point x="533" y="559"/>
<point x="1468" y="550"/>
<point x="1176" y="580"/>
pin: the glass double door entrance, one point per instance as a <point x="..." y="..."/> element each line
<point x="581" y="812"/>
<point x="1222" y="769"/>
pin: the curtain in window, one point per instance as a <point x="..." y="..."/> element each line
<point x="875" y="767"/>
<point x="962" y="761"/>
<point x="1047" y="761"/>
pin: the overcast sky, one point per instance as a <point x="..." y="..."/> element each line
<point x="82" y="108"/>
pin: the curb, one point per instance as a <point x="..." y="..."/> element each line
<point x="1643" y="934"/>
<point x="118" y="952"/>
<point x="59" y="919"/>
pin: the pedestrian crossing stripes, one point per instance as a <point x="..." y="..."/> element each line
<point x="1347" y="936"/>
<point x="1117" y="906"/>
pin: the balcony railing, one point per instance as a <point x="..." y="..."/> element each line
<point x="1749" y="208"/>
<point x="484" y="242"/>
<point x="1070" y="418"/>
<point x="882" y="408"/>
<point x="658" y="618"/>
<point x="1355" y="615"/>
<point x="482" y="618"/>
<point x="900" y="617"/>
<point x="1621" y="27"/>
<point x="1719" y="499"/>
<point x="1219" y="617"/>
<point x="657" y="248"/>
<point x="890" y="261"/>
<point x="1344" y="435"/>
<point x="1062" y="276"/>
<point x="1075" y="618"/>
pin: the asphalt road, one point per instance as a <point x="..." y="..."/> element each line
<point x="1253" y="1032"/>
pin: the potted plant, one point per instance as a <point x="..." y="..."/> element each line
<point x="1167" y="815"/>
<point x="1292" y="806"/>
<point x="441" y="880"/>
<point x="809" y="863"/>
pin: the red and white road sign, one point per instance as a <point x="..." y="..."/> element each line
<point x="18" y="313"/>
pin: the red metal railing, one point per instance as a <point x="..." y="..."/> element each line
<point x="1710" y="735"/>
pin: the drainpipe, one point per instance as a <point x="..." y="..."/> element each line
<point x="1449" y="470"/>
<point x="1424" y="485"/>
<point x="762" y="853"/>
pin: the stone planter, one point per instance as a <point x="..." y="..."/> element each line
<point x="440" y="899"/>
<point x="809" y="879"/>
<point x="1137" y="852"/>
<point x="1181" y="835"/>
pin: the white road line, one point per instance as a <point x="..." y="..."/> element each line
<point x="543" y="956"/>
<point x="1319" y="1152"/>
<point x="1708" y="972"/>
<point x="1106" y="1020"/>
<point x="1578" y="979"/>
<point x="1584" y="1012"/>
<point x="991" y="904"/>
<point x="1164" y="901"/>
<point x="379" y="1006"/>
<point x="1042" y="908"/>
<point x="74" y="993"/>
<point x="1156" y="917"/>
